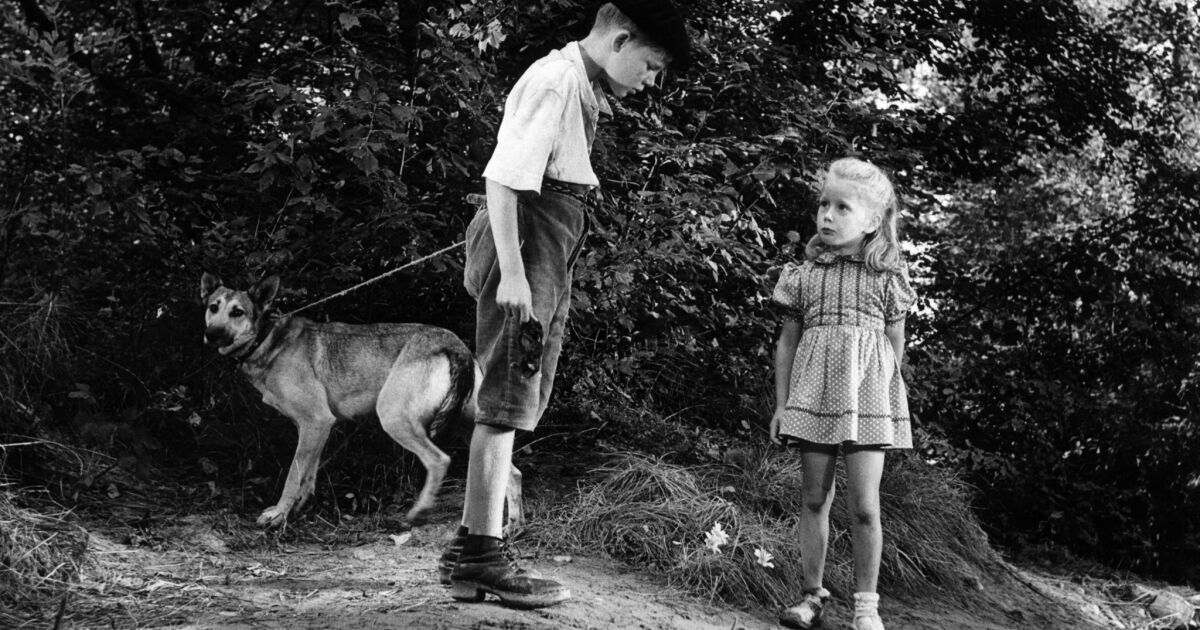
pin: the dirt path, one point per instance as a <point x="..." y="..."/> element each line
<point x="206" y="567"/>
<point x="390" y="581"/>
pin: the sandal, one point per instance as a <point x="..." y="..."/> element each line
<point x="807" y="612"/>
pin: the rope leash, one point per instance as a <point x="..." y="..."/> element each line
<point x="378" y="278"/>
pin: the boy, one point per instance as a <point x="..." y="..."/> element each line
<point x="520" y="251"/>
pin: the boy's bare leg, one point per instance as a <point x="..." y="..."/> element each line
<point x="487" y="480"/>
<point x="483" y="565"/>
<point x="864" y="468"/>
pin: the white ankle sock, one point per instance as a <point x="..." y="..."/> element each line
<point x="866" y="605"/>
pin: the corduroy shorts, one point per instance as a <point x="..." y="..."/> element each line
<point x="552" y="227"/>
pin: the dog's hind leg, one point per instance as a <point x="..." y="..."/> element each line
<point x="302" y="476"/>
<point x="414" y="394"/>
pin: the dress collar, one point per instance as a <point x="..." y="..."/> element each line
<point x="828" y="257"/>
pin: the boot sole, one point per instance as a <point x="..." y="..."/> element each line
<point x="477" y="592"/>
<point x="812" y="625"/>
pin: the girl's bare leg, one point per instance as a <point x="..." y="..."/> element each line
<point x="816" y="497"/>
<point x="864" y="468"/>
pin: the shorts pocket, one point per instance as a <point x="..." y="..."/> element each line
<point x="481" y="253"/>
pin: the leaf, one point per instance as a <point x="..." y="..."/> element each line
<point x="366" y="162"/>
<point x="348" y="20"/>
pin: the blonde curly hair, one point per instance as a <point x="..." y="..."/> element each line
<point x="881" y="248"/>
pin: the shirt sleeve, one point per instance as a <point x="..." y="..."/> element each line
<point x="526" y="138"/>
<point x="899" y="297"/>
<point x="787" y="293"/>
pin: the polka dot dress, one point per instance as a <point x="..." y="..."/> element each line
<point x="846" y="384"/>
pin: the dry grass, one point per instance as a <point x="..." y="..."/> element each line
<point x="655" y="515"/>
<point x="40" y="558"/>
<point x="40" y="553"/>
<point x="32" y="344"/>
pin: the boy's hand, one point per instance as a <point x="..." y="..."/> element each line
<point x="775" y="420"/>
<point x="513" y="296"/>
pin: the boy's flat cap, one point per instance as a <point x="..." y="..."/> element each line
<point x="661" y="22"/>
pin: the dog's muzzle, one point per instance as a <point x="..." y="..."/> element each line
<point x="217" y="337"/>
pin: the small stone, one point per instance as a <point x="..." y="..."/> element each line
<point x="1132" y="592"/>
<point x="1173" y="609"/>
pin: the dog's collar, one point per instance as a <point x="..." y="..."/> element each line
<point x="260" y="337"/>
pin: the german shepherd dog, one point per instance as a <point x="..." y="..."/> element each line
<point x="418" y="380"/>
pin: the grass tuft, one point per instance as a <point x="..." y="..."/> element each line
<point x="40" y="558"/>
<point x="655" y="515"/>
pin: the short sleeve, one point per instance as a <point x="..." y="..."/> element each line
<point x="786" y="294"/>
<point x="526" y="138"/>
<point x="899" y="297"/>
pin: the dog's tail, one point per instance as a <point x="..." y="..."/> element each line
<point x="456" y="415"/>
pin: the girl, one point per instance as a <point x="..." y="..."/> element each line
<point x="837" y="376"/>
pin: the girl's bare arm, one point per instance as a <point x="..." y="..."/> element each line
<point x="785" y="353"/>
<point x="895" y="334"/>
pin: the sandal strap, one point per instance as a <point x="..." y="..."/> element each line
<point x="805" y="613"/>
<point x="819" y="592"/>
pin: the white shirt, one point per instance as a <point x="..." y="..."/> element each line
<point x="549" y="122"/>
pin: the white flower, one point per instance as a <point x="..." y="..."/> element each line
<point x="764" y="557"/>
<point x="716" y="537"/>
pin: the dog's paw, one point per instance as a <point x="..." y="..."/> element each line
<point x="273" y="516"/>
<point x="416" y="516"/>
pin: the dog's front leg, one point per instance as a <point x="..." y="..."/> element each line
<point x="302" y="476"/>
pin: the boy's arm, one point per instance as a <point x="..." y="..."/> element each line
<point x="512" y="295"/>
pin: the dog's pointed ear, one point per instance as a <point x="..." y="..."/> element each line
<point x="263" y="292"/>
<point x="208" y="284"/>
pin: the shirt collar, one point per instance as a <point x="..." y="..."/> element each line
<point x="594" y="99"/>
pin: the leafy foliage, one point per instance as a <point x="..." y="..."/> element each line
<point x="1046" y="151"/>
